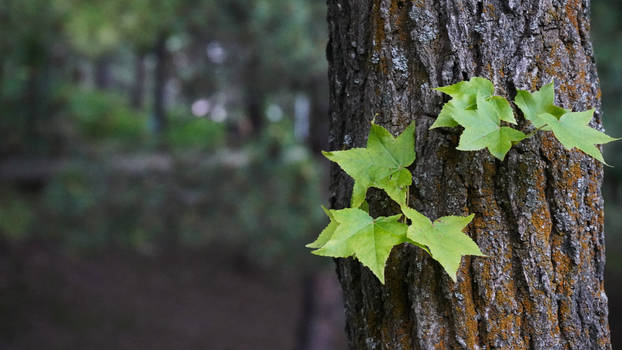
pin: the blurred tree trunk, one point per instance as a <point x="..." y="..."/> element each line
<point x="254" y="110"/>
<point x="103" y="75"/>
<point x="159" y="81"/>
<point x="254" y="97"/>
<point x="321" y="317"/>
<point x="35" y="96"/>
<point x="32" y="99"/>
<point x="539" y="213"/>
<point x="140" y="74"/>
<point x="2" y="65"/>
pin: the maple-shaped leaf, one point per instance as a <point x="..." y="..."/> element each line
<point x="572" y="130"/>
<point x="482" y="129"/>
<point x="444" y="238"/>
<point x="369" y="240"/>
<point x="382" y="164"/>
<point x="326" y="233"/>
<point x="502" y="108"/>
<point x="533" y="104"/>
<point x="464" y="97"/>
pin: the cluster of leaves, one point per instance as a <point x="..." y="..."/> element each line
<point x="474" y="107"/>
<point x="352" y="232"/>
<point x="383" y="165"/>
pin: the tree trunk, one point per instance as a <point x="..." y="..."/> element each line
<point x="254" y="97"/>
<point x="2" y="69"/>
<point x="103" y="73"/>
<point x="254" y="109"/>
<point x="539" y="213"/>
<point x="159" y="82"/>
<point x="138" y="87"/>
<point x="320" y="315"/>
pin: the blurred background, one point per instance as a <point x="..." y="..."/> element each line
<point x="160" y="174"/>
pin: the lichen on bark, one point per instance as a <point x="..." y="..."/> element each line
<point x="539" y="213"/>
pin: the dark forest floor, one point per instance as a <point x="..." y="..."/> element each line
<point x="120" y="302"/>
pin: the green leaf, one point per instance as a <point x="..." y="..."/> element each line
<point x="393" y="152"/>
<point x="573" y="130"/>
<point x="482" y="129"/>
<point x="369" y="240"/>
<point x="444" y="238"/>
<point x="534" y="104"/>
<point x="503" y="108"/>
<point x="464" y="94"/>
<point x="382" y="164"/>
<point x="326" y="233"/>
<point x="464" y="97"/>
<point x="445" y="117"/>
<point x="357" y="163"/>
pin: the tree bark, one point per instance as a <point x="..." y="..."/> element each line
<point x="538" y="213"/>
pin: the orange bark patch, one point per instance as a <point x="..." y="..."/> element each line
<point x="489" y="10"/>
<point x="378" y="23"/>
<point x="563" y="275"/>
<point x="399" y="17"/>
<point x="572" y="8"/>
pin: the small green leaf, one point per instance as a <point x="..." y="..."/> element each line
<point x="444" y="238"/>
<point x="464" y="93"/>
<point x="369" y="240"/>
<point x="364" y="206"/>
<point x="396" y="185"/>
<point x="359" y="192"/>
<point x="445" y="118"/>
<point x="356" y="162"/>
<point x="392" y="152"/>
<point x="503" y="109"/>
<point x="382" y="164"/>
<point x="534" y="104"/>
<point x="573" y="130"/>
<point x="482" y="129"/>
<point x="464" y="97"/>
<point x="326" y="233"/>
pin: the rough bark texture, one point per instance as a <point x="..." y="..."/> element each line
<point x="539" y="213"/>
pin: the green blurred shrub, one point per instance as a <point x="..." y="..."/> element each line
<point x="16" y="217"/>
<point x="90" y="206"/>
<point x="281" y="189"/>
<point x="188" y="132"/>
<point x="259" y="202"/>
<point x="105" y="116"/>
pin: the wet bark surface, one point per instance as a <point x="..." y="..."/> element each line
<point x="538" y="213"/>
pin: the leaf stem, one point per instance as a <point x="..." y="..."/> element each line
<point x="533" y="132"/>
<point x="407" y="204"/>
